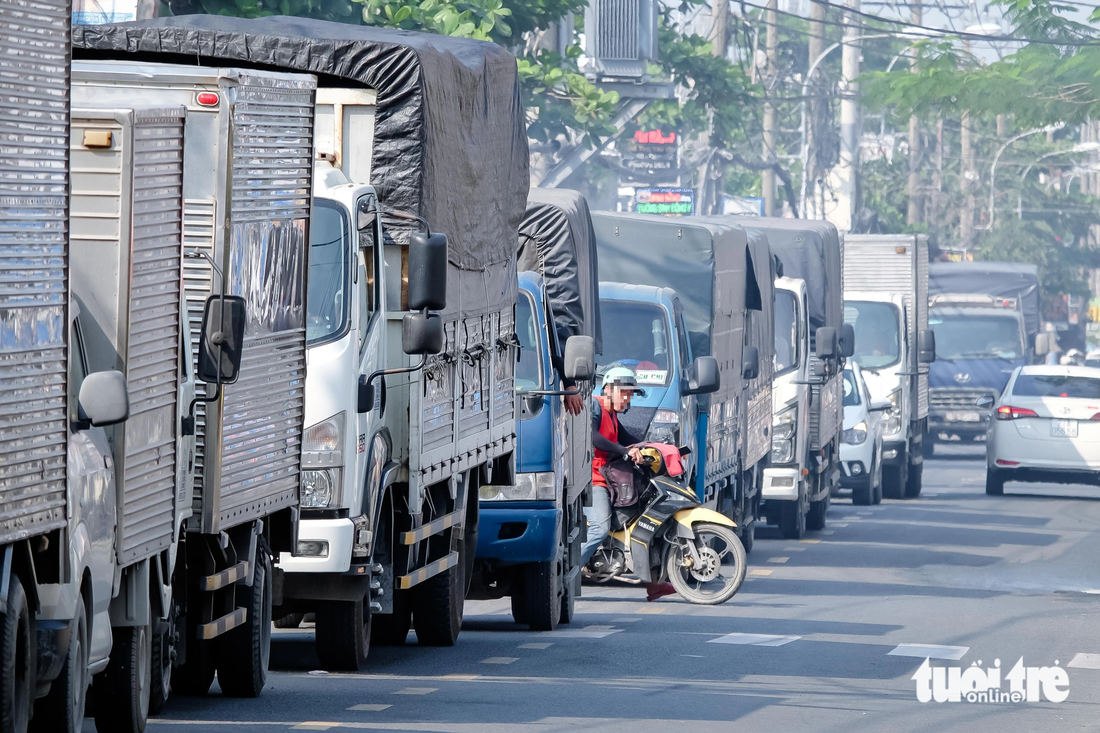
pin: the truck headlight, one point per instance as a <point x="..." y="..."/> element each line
<point x="855" y="435"/>
<point x="664" y="428"/>
<point x="322" y="463"/>
<point x="782" y="451"/>
<point x="891" y="424"/>
<point x="540" y="486"/>
<point x="784" y="430"/>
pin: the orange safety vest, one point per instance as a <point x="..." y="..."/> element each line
<point x="609" y="428"/>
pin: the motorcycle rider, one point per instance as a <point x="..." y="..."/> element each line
<point x="610" y="441"/>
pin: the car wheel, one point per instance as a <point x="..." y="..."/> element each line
<point x="994" y="483"/>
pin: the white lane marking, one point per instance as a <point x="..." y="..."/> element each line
<point x="825" y="531"/>
<point x="536" y="645"/>
<point x="760" y="571"/>
<point x="416" y="691"/>
<point x="778" y="559"/>
<point x="838" y="524"/>
<point x="314" y="725"/>
<point x="754" y="639"/>
<point x="1093" y="592"/>
<point x="500" y="660"/>
<point x="794" y="549"/>
<point x="809" y="542"/>
<point x="930" y="651"/>
<point x="693" y="656"/>
<point x="625" y="620"/>
<point x="369" y="708"/>
<point x="579" y="634"/>
<point x="1083" y="660"/>
<point x="318" y="672"/>
<point x="460" y="677"/>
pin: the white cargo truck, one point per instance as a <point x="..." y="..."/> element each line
<point x="886" y="303"/>
<point x="247" y="173"/>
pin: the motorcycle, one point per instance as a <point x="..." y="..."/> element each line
<point x="668" y="535"/>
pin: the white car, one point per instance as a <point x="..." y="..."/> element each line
<point x="1046" y="427"/>
<point x="861" y="441"/>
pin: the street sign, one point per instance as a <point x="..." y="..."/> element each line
<point x="651" y="155"/>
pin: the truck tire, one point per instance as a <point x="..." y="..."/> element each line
<point x="893" y="481"/>
<point x="195" y="676"/>
<point x="62" y="710"/>
<point x="18" y="660"/>
<point x="392" y="629"/>
<point x="244" y="652"/>
<point x="913" y="481"/>
<point x="748" y="534"/>
<point x="544" y="587"/>
<point x="437" y="607"/>
<point x="864" y="496"/>
<point x="518" y="597"/>
<point x="161" y="667"/>
<point x="815" y="518"/>
<point x="122" y="690"/>
<point x="792" y="520"/>
<point x="343" y="633"/>
<point x="994" y="483"/>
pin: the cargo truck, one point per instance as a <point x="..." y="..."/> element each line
<point x="531" y="532"/>
<point x="886" y="303"/>
<point x="986" y="319"/>
<point x="395" y="447"/>
<point x="807" y="392"/>
<point x="674" y="308"/>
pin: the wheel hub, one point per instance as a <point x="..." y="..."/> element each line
<point x="708" y="566"/>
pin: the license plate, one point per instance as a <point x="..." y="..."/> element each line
<point x="1063" y="428"/>
<point x="963" y="417"/>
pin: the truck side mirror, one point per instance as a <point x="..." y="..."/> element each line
<point x="847" y="340"/>
<point x="104" y="399"/>
<point x="580" y="358"/>
<point x="984" y="402"/>
<point x="926" y="346"/>
<point x="222" y="343"/>
<point x="427" y="272"/>
<point x="750" y="363"/>
<point x="422" y="333"/>
<point x="825" y="343"/>
<point x="1043" y="344"/>
<point x="703" y="376"/>
<point x="364" y="401"/>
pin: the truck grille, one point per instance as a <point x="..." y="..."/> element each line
<point x="956" y="398"/>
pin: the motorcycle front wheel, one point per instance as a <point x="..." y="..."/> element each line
<point x="719" y="571"/>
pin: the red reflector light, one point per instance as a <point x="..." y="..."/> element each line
<point x="207" y="99"/>
<point x="1008" y="412"/>
<point x="1095" y="417"/>
<point x="1007" y="463"/>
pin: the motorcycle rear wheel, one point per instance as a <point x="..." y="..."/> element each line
<point x="725" y="568"/>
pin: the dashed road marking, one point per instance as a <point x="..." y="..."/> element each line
<point x="461" y="677"/>
<point x="315" y="725"/>
<point x="651" y="609"/>
<point x="824" y="531"/>
<point x="625" y="620"/>
<point x="754" y="639"/>
<point x="794" y="549"/>
<point x="536" y="645"/>
<point x="580" y="633"/>
<point x="693" y="656"/>
<point x="778" y="559"/>
<point x="760" y="571"/>
<point x="416" y="691"/>
<point x="1083" y="660"/>
<point x="839" y="524"/>
<point x="369" y="708"/>
<point x="931" y="651"/>
<point x="809" y="542"/>
<point x="500" y="660"/>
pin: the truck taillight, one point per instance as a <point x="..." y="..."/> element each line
<point x="1008" y="412"/>
<point x="207" y="99"/>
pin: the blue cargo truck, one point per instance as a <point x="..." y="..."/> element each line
<point x="531" y="531"/>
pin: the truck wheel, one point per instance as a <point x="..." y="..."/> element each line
<point x="392" y="629"/>
<point x="913" y="481"/>
<point x="518" y="596"/>
<point x="18" y="660"/>
<point x="815" y="518"/>
<point x="863" y="496"/>
<point x="994" y="484"/>
<point x="343" y="635"/>
<point x="893" y="481"/>
<point x="161" y="667"/>
<point x="437" y="607"/>
<point x="122" y="690"/>
<point x="748" y="534"/>
<point x="792" y="520"/>
<point x="195" y="676"/>
<point x="62" y="710"/>
<point x="244" y="652"/>
<point x="544" y="586"/>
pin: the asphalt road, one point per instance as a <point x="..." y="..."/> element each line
<point x="816" y="639"/>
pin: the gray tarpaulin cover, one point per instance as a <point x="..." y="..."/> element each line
<point x="999" y="279"/>
<point x="810" y="251"/>
<point x="450" y="140"/>
<point x="556" y="240"/>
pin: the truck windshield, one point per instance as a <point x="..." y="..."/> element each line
<point x="878" y="336"/>
<point x="528" y="371"/>
<point x="636" y="336"/>
<point x="960" y="336"/>
<point x="786" y="331"/>
<point x="329" y="273"/>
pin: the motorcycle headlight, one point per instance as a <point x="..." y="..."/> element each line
<point x="855" y="435"/>
<point x="322" y="463"/>
<point x="539" y="486"/>
<point x="892" y="419"/>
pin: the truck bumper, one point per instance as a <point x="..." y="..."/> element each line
<point x="894" y="452"/>
<point x="945" y="422"/>
<point x="781" y="484"/>
<point x="517" y="534"/>
<point x="338" y="533"/>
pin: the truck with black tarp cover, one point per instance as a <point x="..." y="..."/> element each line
<point x="391" y="462"/>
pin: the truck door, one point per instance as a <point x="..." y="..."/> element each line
<point x="372" y="448"/>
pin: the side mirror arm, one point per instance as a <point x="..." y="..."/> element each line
<point x="365" y="381"/>
<point x="187" y="426"/>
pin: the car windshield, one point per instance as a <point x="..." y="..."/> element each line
<point x="635" y="335"/>
<point x="329" y="259"/>
<point x="786" y="330"/>
<point x="1056" y="385"/>
<point x="528" y="372"/>
<point x="851" y="390"/>
<point x="878" y="336"/>
<point x="960" y="336"/>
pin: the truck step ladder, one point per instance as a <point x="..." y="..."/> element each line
<point x="430" y="570"/>
<point x="220" y="626"/>
<point x="226" y="577"/>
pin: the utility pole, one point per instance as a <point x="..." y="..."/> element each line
<point x="812" y="173"/>
<point x="845" y="175"/>
<point x="710" y="173"/>
<point x="771" y="52"/>
<point x="966" y="182"/>
<point x="914" y="135"/>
